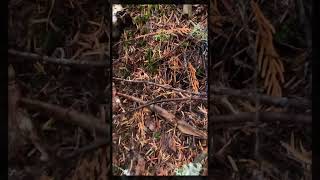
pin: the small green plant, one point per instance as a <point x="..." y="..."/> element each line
<point x="144" y="30"/>
<point x="185" y="44"/>
<point x="157" y="135"/>
<point x="191" y="169"/>
<point x="142" y="43"/>
<point x="161" y="37"/>
<point x="199" y="32"/>
<point x="126" y="45"/>
<point x="125" y="72"/>
<point x="129" y="33"/>
<point x="151" y="64"/>
<point x="200" y="72"/>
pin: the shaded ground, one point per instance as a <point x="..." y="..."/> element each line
<point x="69" y="32"/>
<point x="261" y="53"/>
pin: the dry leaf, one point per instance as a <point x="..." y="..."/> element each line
<point x="140" y="167"/>
<point x="172" y="144"/>
<point x="185" y="128"/>
<point x="116" y="103"/>
<point x="150" y="124"/>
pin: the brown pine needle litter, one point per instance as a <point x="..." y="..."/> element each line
<point x="160" y="79"/>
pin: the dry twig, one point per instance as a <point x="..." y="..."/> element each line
<point x="263" y="117"/>
<point x="35" y="57"/>
<point x="183" y="126"/>
<point x="160" y="85"/>
<point x="87" y="122"/>
<point x="299" y="102"/>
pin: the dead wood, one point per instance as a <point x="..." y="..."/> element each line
<point x="160" y="85"/>
<point x="85" y="121"/>
<point x="183" y="126"/>
<point x="298" y="102"/>
<point x="263" y="117"/>
<point x="64" y="61"/>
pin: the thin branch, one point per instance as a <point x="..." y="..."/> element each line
<point x="243" y="93"/>
<point x="265" y="99"/>
<point x="160" y="85"/>
<point x="165" y="100"/>
<point x="263" y="117"/>
<point x="35" y="57"/>
<point x="183" y="126"/>
<point x="85" y="121"/>
<point x="94" y="145"/>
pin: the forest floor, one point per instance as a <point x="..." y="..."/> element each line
<point x="260" y="73"/>
<point x="256" y="123"/>
<point x="169" y="50"/>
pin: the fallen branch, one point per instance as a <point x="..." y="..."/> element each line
<point x="161" y="101"/>
<point x="94" y="145"/>
<point x="263" y="117"/>
<point x="35" y="57"/>
<point x="167" y="100"/>
<point x="162" y="86"/>
<point x="87" y="122"/>
<point x="245" y="94"/>
<point x="183" y="126"/>
<point x="265" y="99"/>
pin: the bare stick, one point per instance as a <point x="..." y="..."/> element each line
<point x="263" y="117"/>
<point x="94" y="145"/>
<point x="160" y="85"/>
<point x="298" y="102"/>
<point x="166" y="100"/>
<point x="183" y="126"/>
<point x="85" y="121"/>
<point x="33" y="56"/>
<point x="265" y="99"/>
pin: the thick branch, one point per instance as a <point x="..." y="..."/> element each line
<point x="87" y="122"/>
